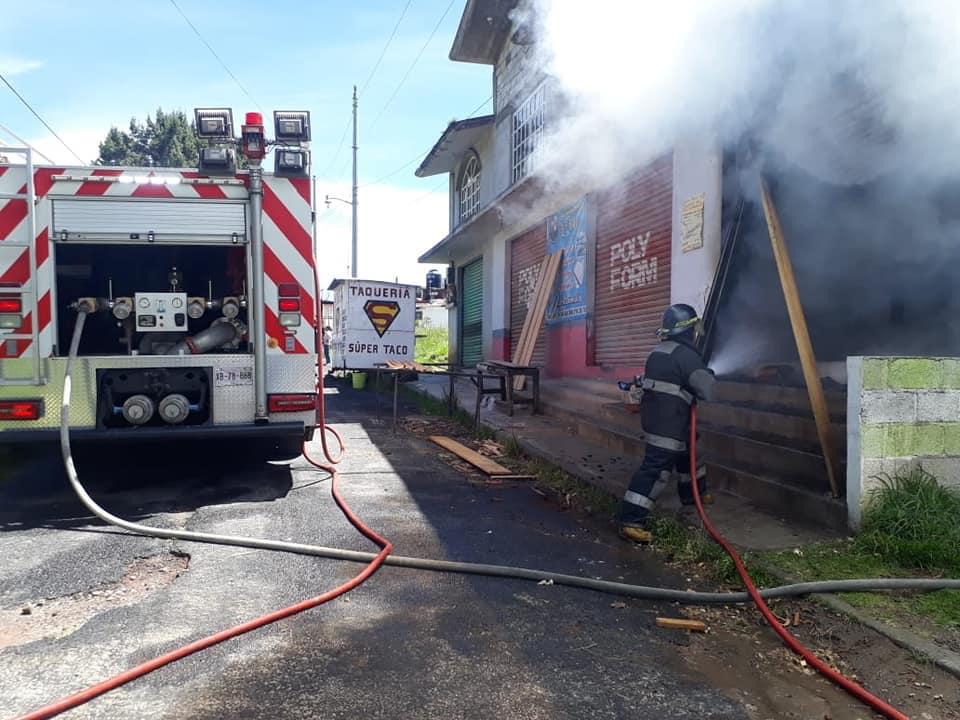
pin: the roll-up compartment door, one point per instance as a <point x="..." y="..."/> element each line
<point x="105" y="219"/>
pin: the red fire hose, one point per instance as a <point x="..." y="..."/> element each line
<point x="386" y="548"/>
<point x="791" y="642"/>
<point x="116" y="681"/>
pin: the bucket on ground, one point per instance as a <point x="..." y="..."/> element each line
<point x="359" y="380"/>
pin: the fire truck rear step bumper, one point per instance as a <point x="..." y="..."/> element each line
<point x="264" y="431"/>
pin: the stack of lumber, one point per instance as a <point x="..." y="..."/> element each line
<point x="415" y="366"/>
<point x="523" y="352"/>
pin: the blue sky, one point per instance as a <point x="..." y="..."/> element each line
<point x="85" y="66"/>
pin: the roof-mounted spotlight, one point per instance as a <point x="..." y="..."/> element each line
<point x="290" y="162"/>
<point x="214" y="123"/>
<point x="291" y="125"/>
<point x="217" y="161"/>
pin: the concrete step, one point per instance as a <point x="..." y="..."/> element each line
<point x="779" y="498"/>
<point x="778" y="397"/>
<point x="791" y="466"/>
<point x="617" y="433"/>
<point x="792" y="430"/>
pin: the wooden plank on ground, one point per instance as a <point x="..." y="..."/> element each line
<point x="681" y="624"/>
<point x="481" y="462"/>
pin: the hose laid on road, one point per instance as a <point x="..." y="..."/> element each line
<point x="788" y="638"/>
<point x="384" y="557"/>
<point x="466" y="568"/>
<point x="116" y="681"/>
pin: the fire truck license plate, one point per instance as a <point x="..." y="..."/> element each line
<point x="228" y="377"/>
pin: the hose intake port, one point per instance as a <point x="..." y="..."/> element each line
<point x="174" y="409"/>
<point x="138" y="409"/>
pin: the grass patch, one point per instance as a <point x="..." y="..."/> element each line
<point x="914" y="521"/>
<point x="691" y="546"/>
<point x="431" y="345"/>
<point x="911" y="526"/>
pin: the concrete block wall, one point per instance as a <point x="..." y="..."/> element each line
<point x="901" y="412"/>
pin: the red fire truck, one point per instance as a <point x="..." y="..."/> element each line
<point x="201" y="284"/>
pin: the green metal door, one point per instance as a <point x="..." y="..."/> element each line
<point x="471" y="314"/>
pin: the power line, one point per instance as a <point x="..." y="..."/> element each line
<point x="214" y="53"/>
<point x="412" y="65"/>
<point x="385" y="47"/>
<point x="23" y="142"/>
<point x="420" y="155"/>
<point x="37" y="116"/>
<point x="336" y="154"/>
<point x="366" y="82"/>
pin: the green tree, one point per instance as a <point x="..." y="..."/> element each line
<point x="165" y="140"/>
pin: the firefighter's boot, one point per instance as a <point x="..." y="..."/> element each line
<point x="636" y="534"/>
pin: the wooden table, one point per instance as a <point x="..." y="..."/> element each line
<point x="506" y="372"/>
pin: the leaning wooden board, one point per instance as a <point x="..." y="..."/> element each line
<point x="535" y="315"/>
<point x="479" y="461"/>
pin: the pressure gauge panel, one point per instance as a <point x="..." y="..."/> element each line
<point x="161" y="312"/>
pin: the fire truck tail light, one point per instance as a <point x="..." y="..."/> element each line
<point x="288" y="290"/>
<point x="21" y="409"/>
<point x="290" y="319"/>
<point x="11" y="305"/>
<point x="289" y="305"/>
<point x="291" y="402"/>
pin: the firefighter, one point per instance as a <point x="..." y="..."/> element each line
<point x="675" y="375"/>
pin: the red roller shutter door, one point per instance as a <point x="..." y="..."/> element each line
<point x="633" y="264"/>
<point x="526" y="255"/>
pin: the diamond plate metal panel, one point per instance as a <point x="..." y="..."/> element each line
<point x="291" y="373"/>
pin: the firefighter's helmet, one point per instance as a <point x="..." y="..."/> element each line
<point x="677" y="320"/>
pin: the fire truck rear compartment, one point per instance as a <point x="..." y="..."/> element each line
<point x="209" y="272"/>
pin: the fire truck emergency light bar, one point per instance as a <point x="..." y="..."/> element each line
<point x="146" y="179"/>
<point x="214" y="123"/>
<point x="291" y="126"/>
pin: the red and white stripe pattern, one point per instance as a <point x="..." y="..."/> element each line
<point x="288" y="257"/>
<point x="15" y="259"/>
<point x="288" y="241"/>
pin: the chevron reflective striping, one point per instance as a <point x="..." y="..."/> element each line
<point x="18" y="348"/>
<point x="209" y="192"/>
<point x="19" y="270"/>
<point x="305" y="333"/>
<point x="279" y="274"/>
<point x="302" y="186"/>
<point x="96" y="189"/>
<point x="288" y="224"/>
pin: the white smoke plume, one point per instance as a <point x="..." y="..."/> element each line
<point x="846" y="90"/>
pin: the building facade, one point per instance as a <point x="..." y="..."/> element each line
<point x="632" y="244"/>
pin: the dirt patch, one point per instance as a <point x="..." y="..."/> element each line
<point x="61" y="616"/>
<point x="741" y="656"/>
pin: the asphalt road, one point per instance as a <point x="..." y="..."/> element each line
<point x="407" y="644"/>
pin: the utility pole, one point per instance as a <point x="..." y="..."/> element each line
<point x="353" y="263"/>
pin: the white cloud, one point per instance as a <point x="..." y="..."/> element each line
<point x="395" y="226"/>
<point x="83" y="141"/>
<point x="11" y="65"/>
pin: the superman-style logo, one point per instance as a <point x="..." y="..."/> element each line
<point x="381" y="313"/>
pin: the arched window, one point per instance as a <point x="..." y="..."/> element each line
<point x="469" y="187"/>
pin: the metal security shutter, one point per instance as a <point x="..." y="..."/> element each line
<point x="633" y="264"/>
<point x="471" y="314"/>
<point x="118" y="219"/>
<point x="526" y="256"/>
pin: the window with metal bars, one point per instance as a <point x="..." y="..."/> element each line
<point x="469" y="188"/>
<point x="527" y="133"/>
